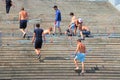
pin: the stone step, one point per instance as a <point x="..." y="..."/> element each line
<point x="58" y="65"/>
<point x="47" y="59"/>
<point x="70" y="68"/>
<point x="30" y="73"/>
<point x="17" y="57"/>
<point x="66" y="70"/>
<point x="59" y="78"/>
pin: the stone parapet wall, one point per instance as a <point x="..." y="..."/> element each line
<point x="115" y="3"/>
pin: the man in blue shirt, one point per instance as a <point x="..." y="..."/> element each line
<point x="57" y="19"/>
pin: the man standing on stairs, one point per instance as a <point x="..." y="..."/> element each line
<point x="8" y="3"/>
<point x="80" y="55"/>
<point x="37" y="37"/>
<point x="57" y="19"/>
<point x="23" y="17"/>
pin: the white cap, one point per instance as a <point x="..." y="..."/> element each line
<point x="80" y="20"/>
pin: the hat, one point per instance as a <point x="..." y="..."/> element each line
<point x="54" y="6"/>
<point x="80" y="20"/>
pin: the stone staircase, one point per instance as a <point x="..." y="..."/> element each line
<point x="17" y="57"/>
<point x="100" y="19"/>
<point x="18" y="60"/>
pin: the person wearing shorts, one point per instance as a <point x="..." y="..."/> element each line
<point x="23" y="17"/>
<point x="86" y="31"/>
<point x="72" y="28"/>
<point x="72" y="25"/>
<point x="57" y="19"/>
<point x="79" y="24"/>
<point x="80" y="54"/>
<point x="23" y="24"/>
<point x="37" y="38"/>
<point x="8" y="5"/>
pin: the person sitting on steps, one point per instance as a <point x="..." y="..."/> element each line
<point x="86" y="31"/>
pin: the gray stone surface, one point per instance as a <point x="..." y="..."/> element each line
<point x="17" y="57"/>
<point x="0" y="38"/>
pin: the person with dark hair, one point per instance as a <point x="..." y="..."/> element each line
<point x="38" y="39"/>
<point x="80" y="55"/>
<point x="23" y="17"/>
<point x="71" y="31"/>
<point x="57" y="19"/>
<point x="8" y="5"/>
<point x="72" y="25"/>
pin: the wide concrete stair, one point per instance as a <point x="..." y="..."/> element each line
<point x="19" y="62"/>
<point x="100" y="16"/>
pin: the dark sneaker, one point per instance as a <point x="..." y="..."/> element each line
<point x="39" y="57"/>
<point x="60" y="33"/>
<point x="54" y="34"/>
<point x="24" y="35"/>
<point x="41" y="60"/>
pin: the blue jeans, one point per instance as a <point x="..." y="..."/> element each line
<point x="86" y="33"/>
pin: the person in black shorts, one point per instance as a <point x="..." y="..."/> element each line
<point x="38" y="39"/>
<point x="8" y="5"/>
<point x="23" y="17"/>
